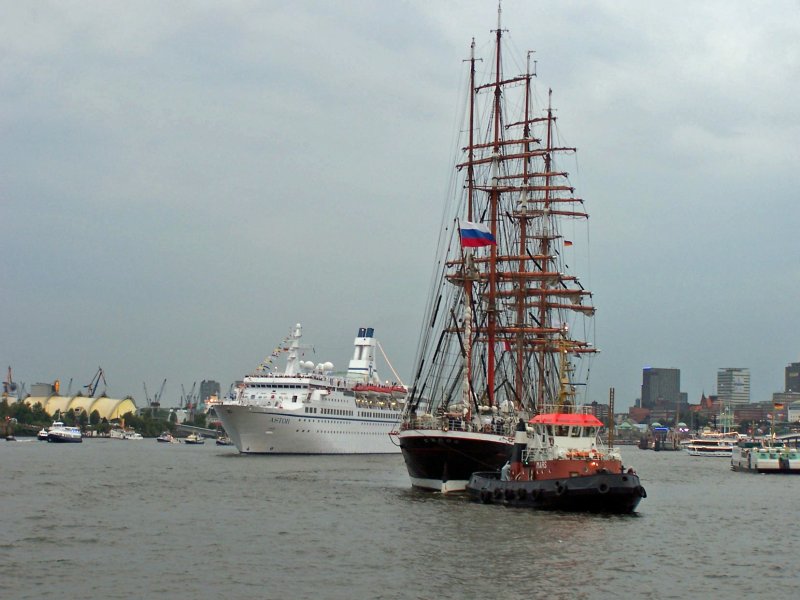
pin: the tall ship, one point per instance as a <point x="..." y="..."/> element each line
<point x="505" y="322"/>
<point x="309" y="409"/>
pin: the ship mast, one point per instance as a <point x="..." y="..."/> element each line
<point x="468" y="265"/>
<point x="523" y="240"/>
<point x="494" y="201"/>
<point x="500" y="329"/>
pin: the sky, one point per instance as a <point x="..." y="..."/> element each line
<point x="182" y="182"/>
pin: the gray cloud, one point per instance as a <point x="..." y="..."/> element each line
<point x="181" y="183"/>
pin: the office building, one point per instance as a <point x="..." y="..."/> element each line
<point x="733" y="386"/>
<point x="792" y="378"/>
<point x="660" y="386"/>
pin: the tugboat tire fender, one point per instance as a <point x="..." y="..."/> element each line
<point x="561" y="488"/>
<point x="522" y="494"/>
<point x="498" y="493"/>
<point x="603" y="488"/>
<point x="641" y="491"/>
<point x="486" y="496"/>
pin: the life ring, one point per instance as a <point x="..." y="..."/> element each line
<point x="602" y="488"/>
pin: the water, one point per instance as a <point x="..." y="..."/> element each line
<point x="117" y="519"/>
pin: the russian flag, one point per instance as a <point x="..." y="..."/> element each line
<point x="475" y="235"/>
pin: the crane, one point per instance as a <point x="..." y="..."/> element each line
<point x="190" y="399"/>
<point x="155" y="402"/>
<point x="95" y="382"/>
<point x="157" y="397"/>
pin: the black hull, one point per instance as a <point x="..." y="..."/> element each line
<point x="765" y="471"/>
<point x="444" y="461"/>
<point x="600" y="493"/>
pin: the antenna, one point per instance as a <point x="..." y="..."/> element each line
<point x="535" y="63"/>
<point x="499" y="15"/>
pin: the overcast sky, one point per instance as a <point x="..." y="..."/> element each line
<point x="181" y="182"/>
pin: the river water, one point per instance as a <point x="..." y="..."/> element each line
<point x="138" y="519"/>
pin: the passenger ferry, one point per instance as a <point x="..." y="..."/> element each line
<point x="712" y="444"/>
<point x="60" y="433"/>
<point x="772" y="455"/>
<point x="307" y="409"/>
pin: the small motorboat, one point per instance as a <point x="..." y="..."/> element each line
<point x="193" y="438"/>
<point x="166" y="438"/>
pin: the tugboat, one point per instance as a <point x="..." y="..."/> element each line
<point x="559" y="463"/>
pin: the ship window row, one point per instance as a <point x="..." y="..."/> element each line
<point x="277" y="400"/>
<point x="571" y="431"/>
<point x="337" y="411"/>
<point x="276" y="386"/>
<point x="367" y="423"/>
<point x="335" y="431"/>
<point x="310" y="409"/>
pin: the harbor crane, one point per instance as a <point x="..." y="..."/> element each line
<point x="155" y="402"/>
<point x="95" y="382"/>
<point x="188" y="400"/>
<point x="157" y="397"/>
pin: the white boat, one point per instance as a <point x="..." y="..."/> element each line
<point x="118" y="433"/>
<point x="307" y="409"/>
<point x="193" y="438"/>
<point x="166" y="438"/>
<point x="712" y="444"/>
<point x="42" y="435"/>
<point x="61" y="433"/>
<point x="765" y="456"/>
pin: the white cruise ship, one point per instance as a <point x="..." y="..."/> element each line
<point x="307" y="409"/>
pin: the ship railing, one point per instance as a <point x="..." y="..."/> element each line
<point x="450" y="423"/>
<point x="581" y="409"/>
